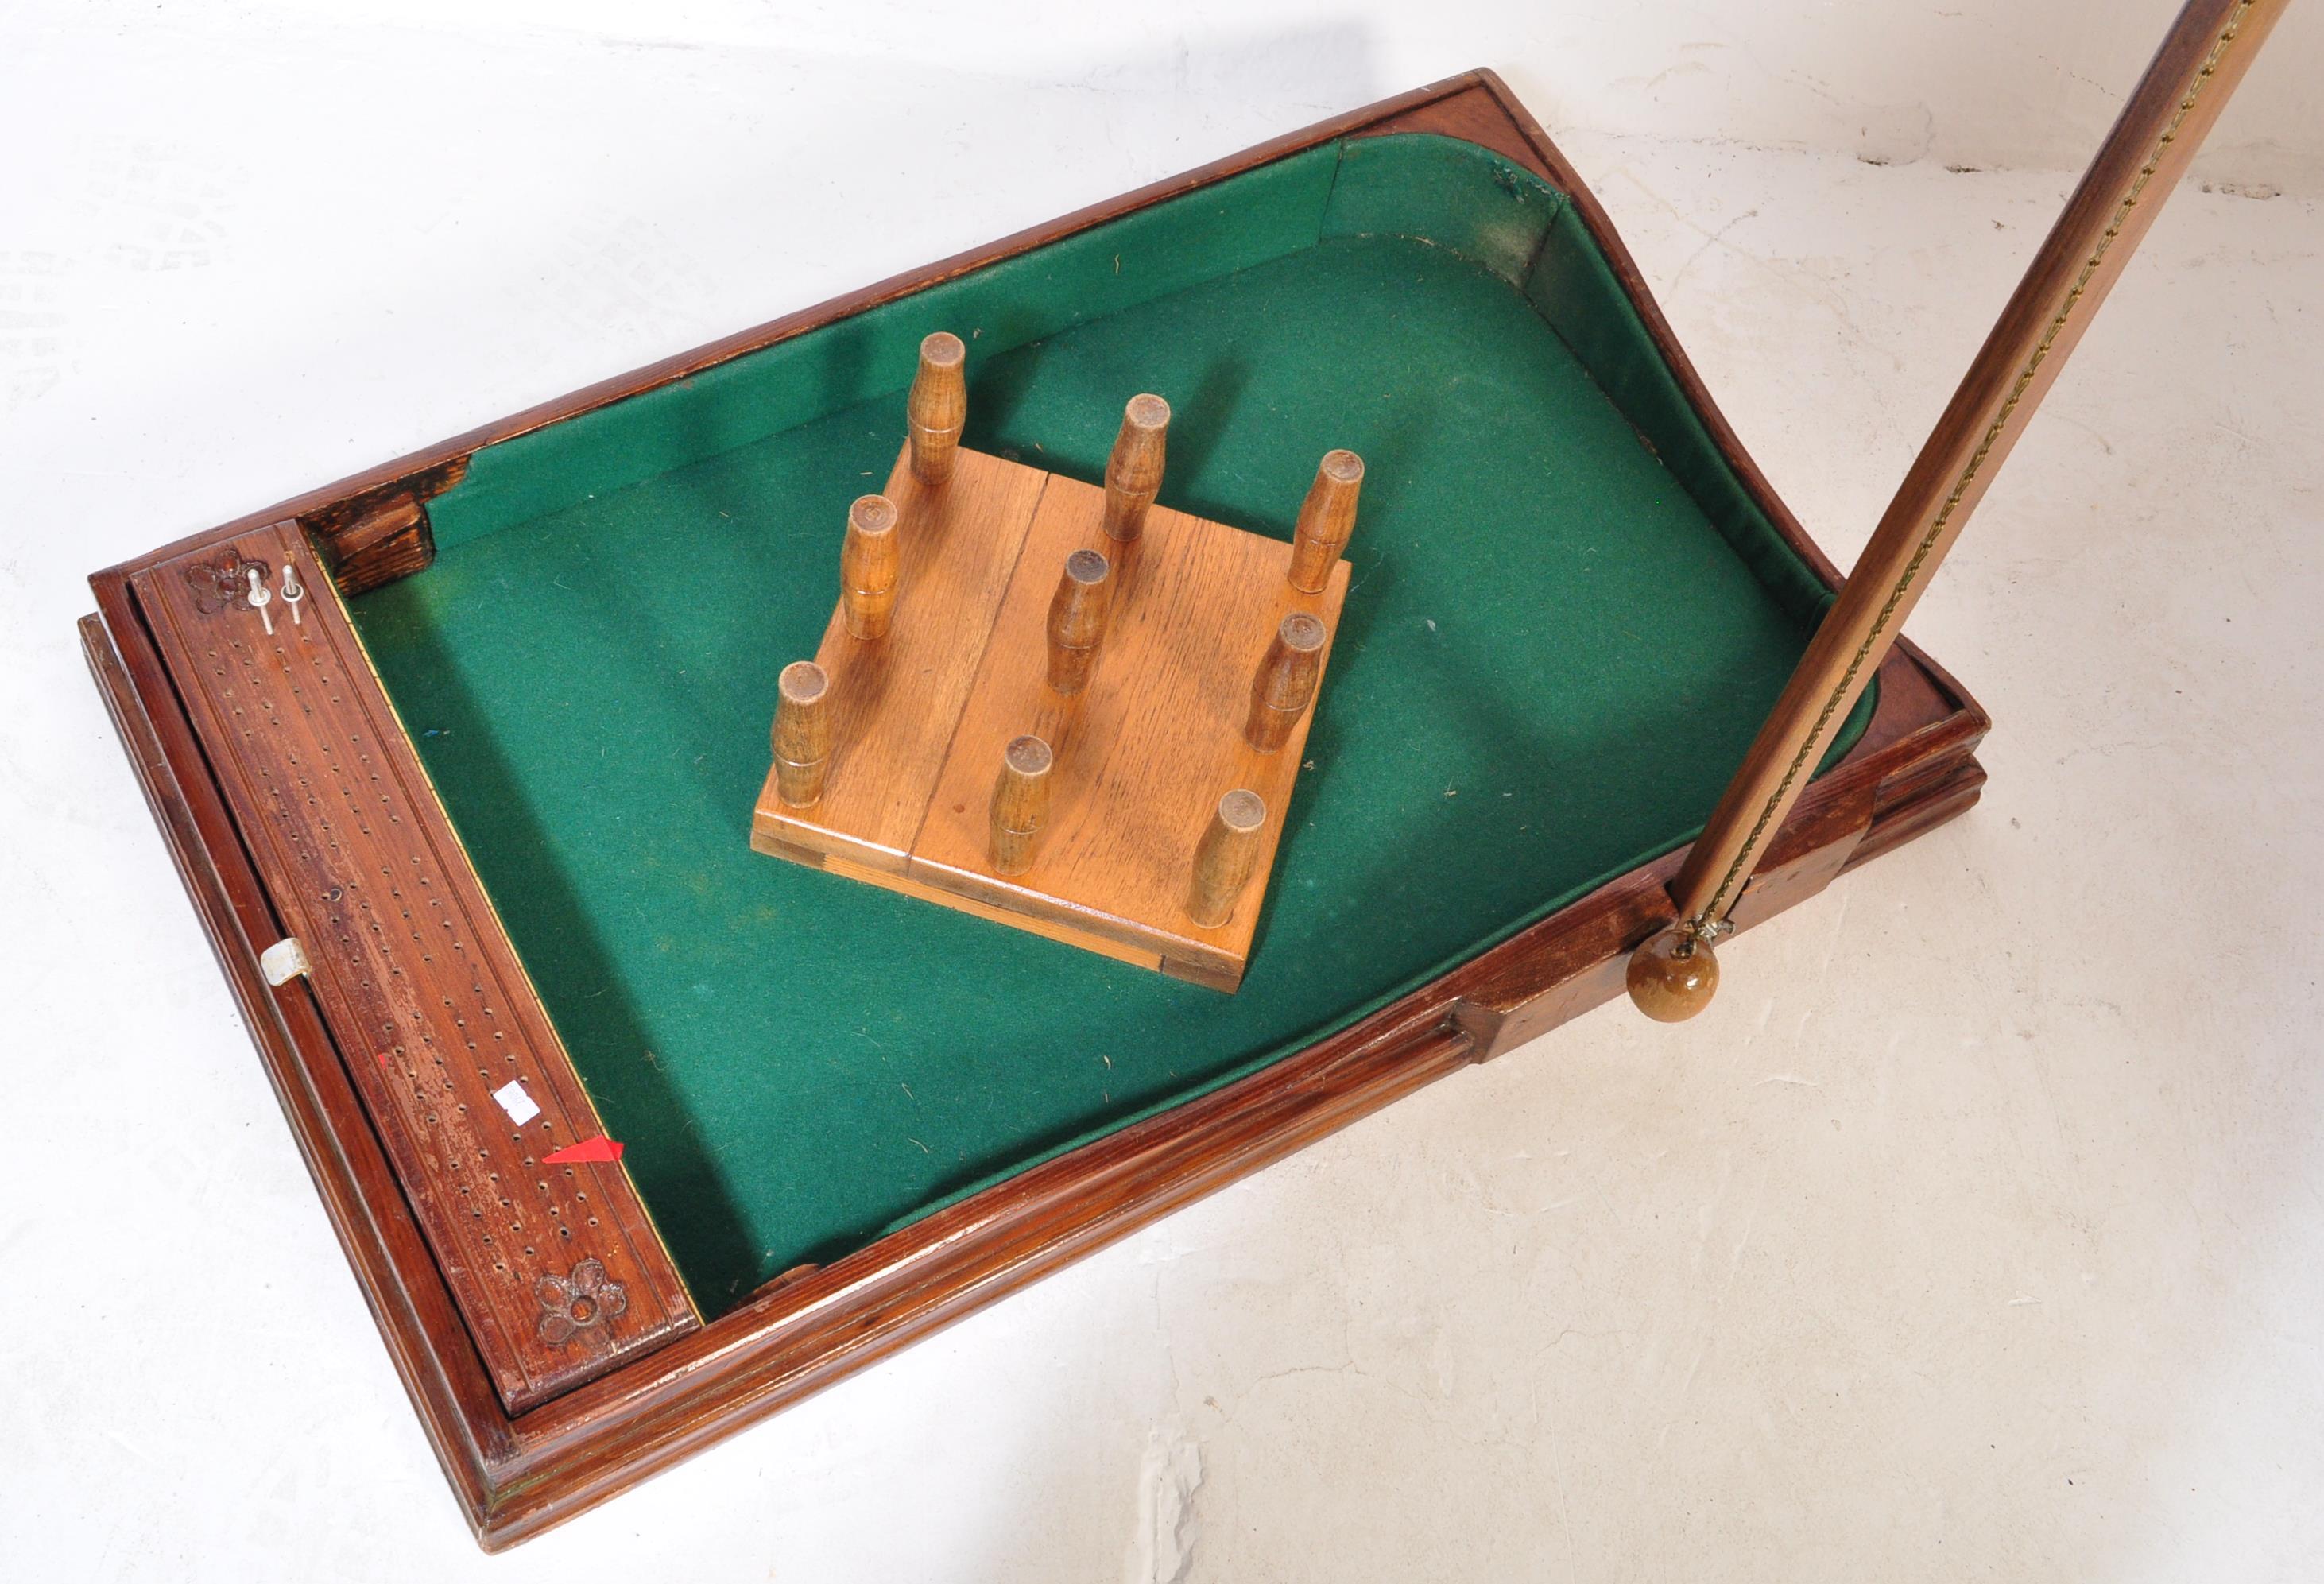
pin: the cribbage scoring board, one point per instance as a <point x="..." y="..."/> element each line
<point x="524" y="1202"/>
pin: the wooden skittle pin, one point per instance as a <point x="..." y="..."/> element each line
<point x="1133" y="473"/>
<point x="1020" y="804"/>
<point x="868" y="564"/>
<point x="1077" y="614"/>
<point x="1285" y="683"/>
<point x="937" y="409"/>
<point x="1327" y="519"/>
<point x="1224" y="858"/>
<point x="802" y="733"/>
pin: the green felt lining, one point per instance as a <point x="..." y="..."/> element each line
<point x="1566" y="620"/>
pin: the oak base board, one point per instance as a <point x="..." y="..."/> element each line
<point x="1143" y="753"/>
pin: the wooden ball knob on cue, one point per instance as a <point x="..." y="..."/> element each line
<point x="1077" y="614"/>
<point x="802" y="732"/>
<point x="1225" y="857"/>
<point x="937" y="409"/>
<point x="1020" y="804"/>
<point x="1673" y="975"/>
<point x="1133" y="473"/>
<point x="1327" y="519"/>
<point x="1285" y="683"/>
<point x="868" y="566"/>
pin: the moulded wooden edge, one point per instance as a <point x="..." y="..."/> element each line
<point x="513" y="1477"/>
<point x="450" y="1389"/>
<point x="333" y="723"/>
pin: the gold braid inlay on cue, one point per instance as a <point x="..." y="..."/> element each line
<point x="1705" y="921"/>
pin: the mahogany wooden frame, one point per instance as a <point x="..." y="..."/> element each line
<point x="515" y="1473"/>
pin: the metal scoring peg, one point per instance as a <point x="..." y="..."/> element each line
<point x="293" y="590"/>
<point x="260" y="598"/>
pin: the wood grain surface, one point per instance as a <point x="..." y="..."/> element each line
<point x="1145" y="750"/>
<point x="895" y="700"/>
<point x="557" y="1270"/>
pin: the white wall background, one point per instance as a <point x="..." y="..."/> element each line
<point x="437" y="158"/>
<point x="1992" y="83"/>
<point x="1975" y="1232"/>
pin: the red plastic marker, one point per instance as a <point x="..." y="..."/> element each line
<point x="600" y="1149"/>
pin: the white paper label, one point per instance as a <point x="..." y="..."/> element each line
<point x="516" y="1102"/>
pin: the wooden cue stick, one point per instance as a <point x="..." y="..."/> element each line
<point x="2185" y="87"/>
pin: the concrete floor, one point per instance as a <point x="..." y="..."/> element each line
<point x="1977" y="1230"/>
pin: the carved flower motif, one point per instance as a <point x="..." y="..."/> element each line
<point x="570" y="1305"/>
<point x="223" y="584"/>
